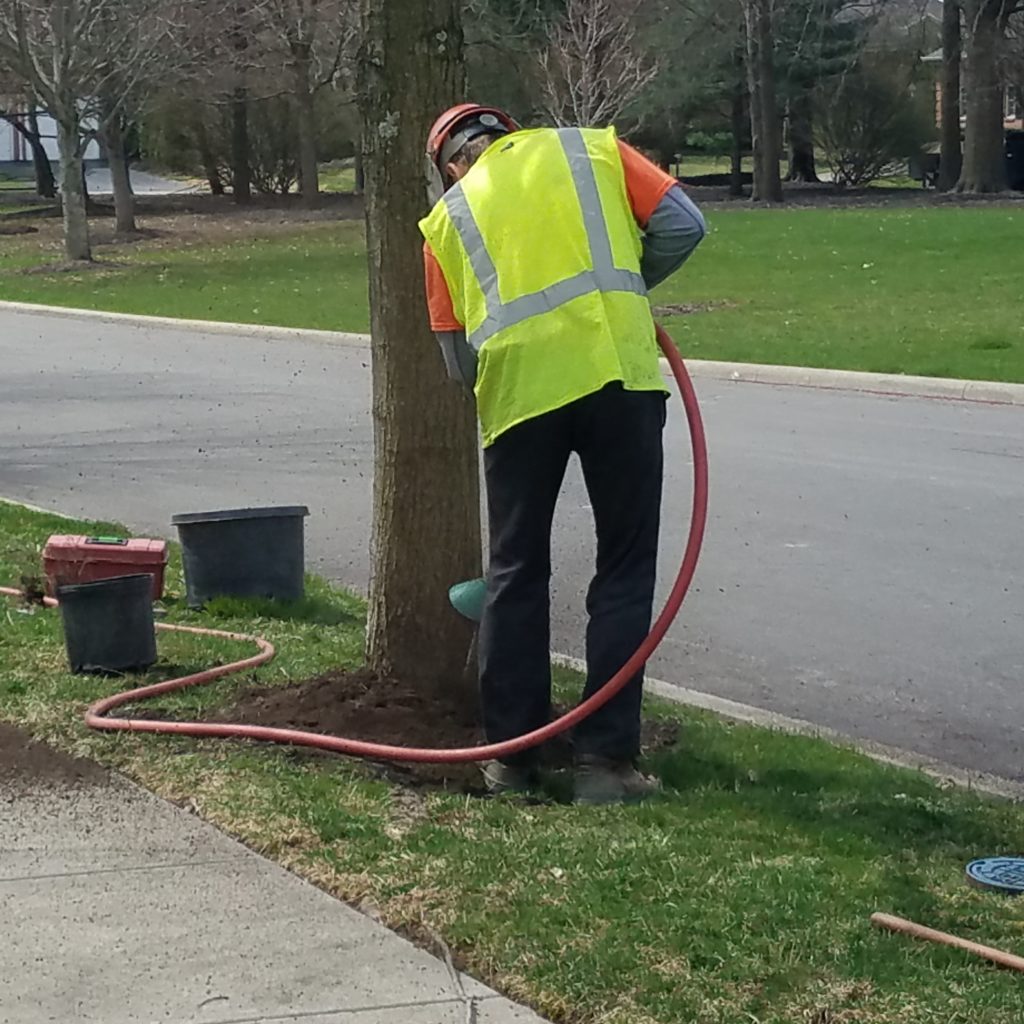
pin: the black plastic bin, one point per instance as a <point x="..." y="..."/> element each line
<point x="243" y="552"/>
<point x="108" y="624"/>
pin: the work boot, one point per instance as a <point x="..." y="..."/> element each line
<point x="603" y="781"/>
<point x="501" y="778"/>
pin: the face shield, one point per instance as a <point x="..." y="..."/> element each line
<point x="435" y="183"/>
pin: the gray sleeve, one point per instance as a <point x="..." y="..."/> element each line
<point x="459" y="357"/>
<point x="675" y="229"/>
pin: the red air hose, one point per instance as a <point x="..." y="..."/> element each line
<point x="95" y="716"/>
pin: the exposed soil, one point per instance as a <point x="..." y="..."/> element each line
<point x="360" y="705"/>
<point x="689" y="308"/>
<point x="27" y="765"/>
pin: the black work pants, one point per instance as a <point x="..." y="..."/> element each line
<point x="618" y="437"/>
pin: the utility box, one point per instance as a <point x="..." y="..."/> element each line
<point x="70" y="559"/>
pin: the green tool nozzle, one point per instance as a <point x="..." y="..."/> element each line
<point x="467" y="598"/>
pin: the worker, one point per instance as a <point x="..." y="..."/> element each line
<point x="538" y="260"/>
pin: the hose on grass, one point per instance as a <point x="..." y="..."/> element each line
<point x="96" y="717"/>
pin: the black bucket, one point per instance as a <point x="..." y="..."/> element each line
<point x="108" y="625"/>
<point x="243" y="552"/>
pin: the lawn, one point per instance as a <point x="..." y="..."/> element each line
<point x="741" y="895"/>
<point x="931" y="291"/>
<point x="338" y="177"/>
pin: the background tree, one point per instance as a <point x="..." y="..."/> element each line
<point x="816" y="41"/>
<point x="426" y="502"/>
<point x="593" y="69"/>
<point x="311" y="41"/>
<point x="764" y="111"/>
<point x="22" y="115"/>
<point x="951" y="158"/>
<point x="81" y="59"/>
<point x="986" y="24"/>
<point x="869" y="122"/>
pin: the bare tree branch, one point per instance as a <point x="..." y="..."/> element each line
<point x="593" y="69"/>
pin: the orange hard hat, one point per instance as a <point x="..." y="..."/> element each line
<point x="456" y="126"/>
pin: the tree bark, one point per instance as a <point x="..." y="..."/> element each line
<point x="359" y="169"/>
<point x="738" y="116"/>
<point x="764" y="105"/>
<point x="951" y="159"/>
<point x="46" y="186"/>
<point x="426" y="502"/>
<point x="801" y="139"/>
<point x="124" y="199"/>
<point x="241" y="170"/>
<point x="309" y="173"/>
<point x="72" y="190"/>
<point x="754" y="90"/>
<point x="984" y="160"/>
<point x="202" y="140"/>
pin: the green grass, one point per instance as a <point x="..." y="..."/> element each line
<point x="741" y="895"/>
<point x="35" y="209"/>
<point x="315" y="278"/>
<point x="338" y="178"/>
<point x="921" y="291"/>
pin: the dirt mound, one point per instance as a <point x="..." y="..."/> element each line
<point x="26" y="765"/>
<point x="360" y="705"/>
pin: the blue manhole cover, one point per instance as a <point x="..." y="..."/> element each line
<point x="1003" y="873"/>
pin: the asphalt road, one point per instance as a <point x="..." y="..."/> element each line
<point x="99" y="183"/>
<point x="864" y="564"/>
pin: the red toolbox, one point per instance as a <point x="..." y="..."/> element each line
<point x="69" y="559"/>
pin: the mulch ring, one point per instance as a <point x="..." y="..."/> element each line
<point x="360" y="705"/>
<point x="26" y="765"/>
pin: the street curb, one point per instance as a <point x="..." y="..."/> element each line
<point x="892" y="385"/>
<point x="206" y="326"/>
<point x="34" y="508"/>
<point x="943" y="772"/>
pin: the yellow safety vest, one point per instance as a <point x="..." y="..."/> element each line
<point x="541" y="254"/>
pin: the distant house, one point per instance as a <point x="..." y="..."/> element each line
<point x="1013" y="101"/>
<point x="15" y="154"/>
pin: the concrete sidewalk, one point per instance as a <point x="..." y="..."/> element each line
<point x="119" y="908"/>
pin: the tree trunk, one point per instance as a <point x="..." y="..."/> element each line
<point x="951" y="160"/>
<point x="309" y="173"/>
<point x="984" y="164"/>
<point x="359" y="169"/>
<point x="764" y="106"/>
<point x="754" y="90"/>
<point x="241" y="170"/>
<point x="46" y="186"/>
<point x="738" y="118"/>
<point x="124" y="199"/>
<point x="72" y="190"/>
<point x="426" y="503"/>
<point x="305" y="124"/>
<point x="801" y="139"/>
<point x="210" y="169"/>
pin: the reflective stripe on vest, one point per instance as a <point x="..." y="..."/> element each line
<point x="604" y="277"/>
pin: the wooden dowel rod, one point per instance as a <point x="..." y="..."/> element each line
<point x="919" y="931"/>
